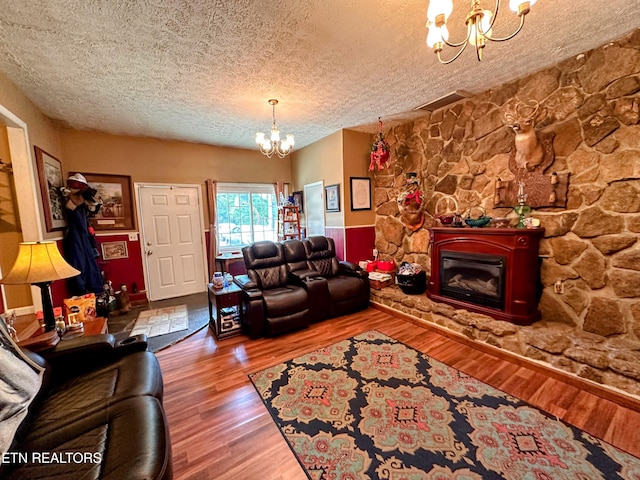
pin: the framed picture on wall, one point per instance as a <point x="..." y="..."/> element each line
<point x="360" y="193"/>
<point x="51" y="179"/>
<point x="298" y="201"/>
<point x="114" y="191"/>
<point x="114" y="250"/>
<point x="332" y="198"/>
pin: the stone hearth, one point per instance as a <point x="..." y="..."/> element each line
<point x="613" y="362"/>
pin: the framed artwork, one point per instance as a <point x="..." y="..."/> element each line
<point x="298" y="201"/>
<point x="116" y="212"/>
<point x="332" y="198"/>
<point x="114" y="250"/>
<point x="50" y="175"/>
<point x="360" y="193"/>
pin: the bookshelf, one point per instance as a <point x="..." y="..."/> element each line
<point x="288" y="223"/>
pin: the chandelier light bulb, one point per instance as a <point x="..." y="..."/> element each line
<point x="439" y="7"/>
<point x="259" y="138"/>
<point x="290" y="140"/>
<point x="437" y="35"/>
<point x="275" y="135"/>
<point x="521" y="5"/>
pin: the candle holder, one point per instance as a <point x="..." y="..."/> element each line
<point x="522" y="210"/>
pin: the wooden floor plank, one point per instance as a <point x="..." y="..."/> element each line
<point x="220" y="428"/>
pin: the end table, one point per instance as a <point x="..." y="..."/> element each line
<point x="225" y="310"/>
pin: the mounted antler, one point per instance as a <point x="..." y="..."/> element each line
<point x="521" y="118"/>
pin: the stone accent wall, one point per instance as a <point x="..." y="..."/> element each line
<point x="593" y="104"/>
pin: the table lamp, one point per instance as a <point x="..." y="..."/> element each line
<point x="40" y="263"/>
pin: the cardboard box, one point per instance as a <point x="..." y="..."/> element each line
<point x="84" y="306"/>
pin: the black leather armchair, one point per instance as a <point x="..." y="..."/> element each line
<point x="272" y="303"/>
<point x="347" y="284"/>
<point x="102" y="401"/>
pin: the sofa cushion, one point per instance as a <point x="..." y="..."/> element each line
<point x="343" y="288"/>
<point x="20" y="382"/>
<point x="280" y="302"/>
<point x="68" y="401"/>
<point x="128" y="439"/>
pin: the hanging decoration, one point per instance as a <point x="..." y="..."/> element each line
<point x="411" y="203"/>
<point x="380" y="151"/>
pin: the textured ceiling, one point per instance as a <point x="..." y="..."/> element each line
<point x="202" y="71"/>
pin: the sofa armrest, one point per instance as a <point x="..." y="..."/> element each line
<point x="300" y="276"/>
<point x="349" y="268"/>
<point x="87" y="352"/>
<point x="245" y="283"/>
<point x="253" y="320"/>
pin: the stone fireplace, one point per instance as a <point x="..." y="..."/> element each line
<point x="494" y="271"/>
<point x="591" y="324"/>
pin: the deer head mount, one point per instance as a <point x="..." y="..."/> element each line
<point x="522" y="117"/>
<point x="531" y="156"/>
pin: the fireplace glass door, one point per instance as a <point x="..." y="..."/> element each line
<point x="472" y="277"/>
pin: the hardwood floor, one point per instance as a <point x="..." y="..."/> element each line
<point x="221" y="430"/>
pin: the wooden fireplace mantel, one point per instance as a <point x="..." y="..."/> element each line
<point x="520" y="249"/>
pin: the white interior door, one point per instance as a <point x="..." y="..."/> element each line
<point x="314" y="208"/>
<point x="172" y="240"/>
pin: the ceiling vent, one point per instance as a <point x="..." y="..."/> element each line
<point x="448" y="99"/>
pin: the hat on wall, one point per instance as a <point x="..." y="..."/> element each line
<point x="77" y="181"/>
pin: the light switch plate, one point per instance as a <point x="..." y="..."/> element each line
<point x="133" y="237"/>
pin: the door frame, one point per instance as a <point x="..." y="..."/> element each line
<point x="29" y="204"/>
<point x="137" y="186"/>
<point x="319" y="183"/>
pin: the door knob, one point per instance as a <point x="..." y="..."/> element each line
<point x="149" y="252"/>
<point x="148" y="244"/>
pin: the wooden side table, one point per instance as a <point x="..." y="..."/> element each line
<point x="98" y="326"/>
<point x="225" y="310"/>
<point x="230" y="262"/>
<point x="37" y="341"/>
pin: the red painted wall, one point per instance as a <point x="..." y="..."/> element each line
<point x="123" y="270"/>
<point x="359" y="243"/>
<point x="120" y="271"/>
<point x="337" y="233"/>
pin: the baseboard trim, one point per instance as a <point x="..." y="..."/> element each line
<point x="609" y="393"/>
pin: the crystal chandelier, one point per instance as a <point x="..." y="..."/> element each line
<point x="479" y="24"/>
<point x="272" y="145"/>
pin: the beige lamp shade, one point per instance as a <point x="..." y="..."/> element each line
<point x="38" y="262"/>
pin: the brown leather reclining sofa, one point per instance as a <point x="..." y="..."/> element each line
<point x="98" y="415"/>
<point x="291" y="284"/>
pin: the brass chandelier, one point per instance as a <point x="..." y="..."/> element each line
<point x="479" y="24"/>
<point x="273" y="144"/>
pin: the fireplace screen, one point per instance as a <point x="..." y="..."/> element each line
<point x="472" y="277"/>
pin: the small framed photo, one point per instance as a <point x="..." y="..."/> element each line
<point x="114" y="250"/>
<point x="50" y="173"/>
<point x="332" y="198"/>
<point x="360" y="193"/>
<point x="298" y="201"/>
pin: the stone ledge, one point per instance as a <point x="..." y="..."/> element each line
<point x="557" y="346"/>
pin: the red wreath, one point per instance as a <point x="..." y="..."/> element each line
<point x="380" y="151"/>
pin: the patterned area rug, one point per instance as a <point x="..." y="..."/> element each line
<point x="160" y="321"/>
<point x="372" y="407"/>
